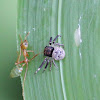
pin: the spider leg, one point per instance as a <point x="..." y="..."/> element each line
<point x="46" y="65"/>
<point x="56" y="38"/>
<point x="41" y="65"/>
<point x="59" y="44"/>
<point x="50" y="42"/>
<point x="50" y="65"/>
<point x="55" y="64"/>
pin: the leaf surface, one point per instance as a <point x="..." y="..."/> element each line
<point x="77" y="77"/>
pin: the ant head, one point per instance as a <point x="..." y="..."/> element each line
<point x="24" y="45"/>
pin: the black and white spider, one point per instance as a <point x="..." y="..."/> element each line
<point x="52" y="52"/>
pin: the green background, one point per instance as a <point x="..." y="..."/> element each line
<point x="81" y="77"/>
<point x="10" y="89"/>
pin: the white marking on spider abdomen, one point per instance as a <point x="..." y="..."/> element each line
<point x="58" y="53"/>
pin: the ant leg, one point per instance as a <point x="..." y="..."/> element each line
<point x="20" y="69"/>
<point x="18" y="58"/>
<point x="56" y="38"/>
<point x="33" y="57"/>
<point x="55" y="64"/>
<point x="27" y="35"/>
<point x="20" y="43"/>
<point x="50" y="42"/>
<point x="59" y="44"/>
<point x="41" y="65"/>
<point x="19" y="62"/>
<point x="31" y="51"/>
<point x="23" y="65"/>
<point x="25" y="77"/>
<point x="25" y="72"/>
<point x="20" y="50"/>
<point x="50" y="65"/>
<point x="46" y="65"/>
<point x="20" y="38"/>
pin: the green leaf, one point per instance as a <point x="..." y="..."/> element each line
<point x="77" y="77"/>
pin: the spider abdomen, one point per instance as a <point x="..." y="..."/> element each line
<point x="48" y="51"/>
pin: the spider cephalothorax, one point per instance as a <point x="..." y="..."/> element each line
<point x="52" y="52"/>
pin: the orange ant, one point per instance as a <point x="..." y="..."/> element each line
<point x="23" y="48"/>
